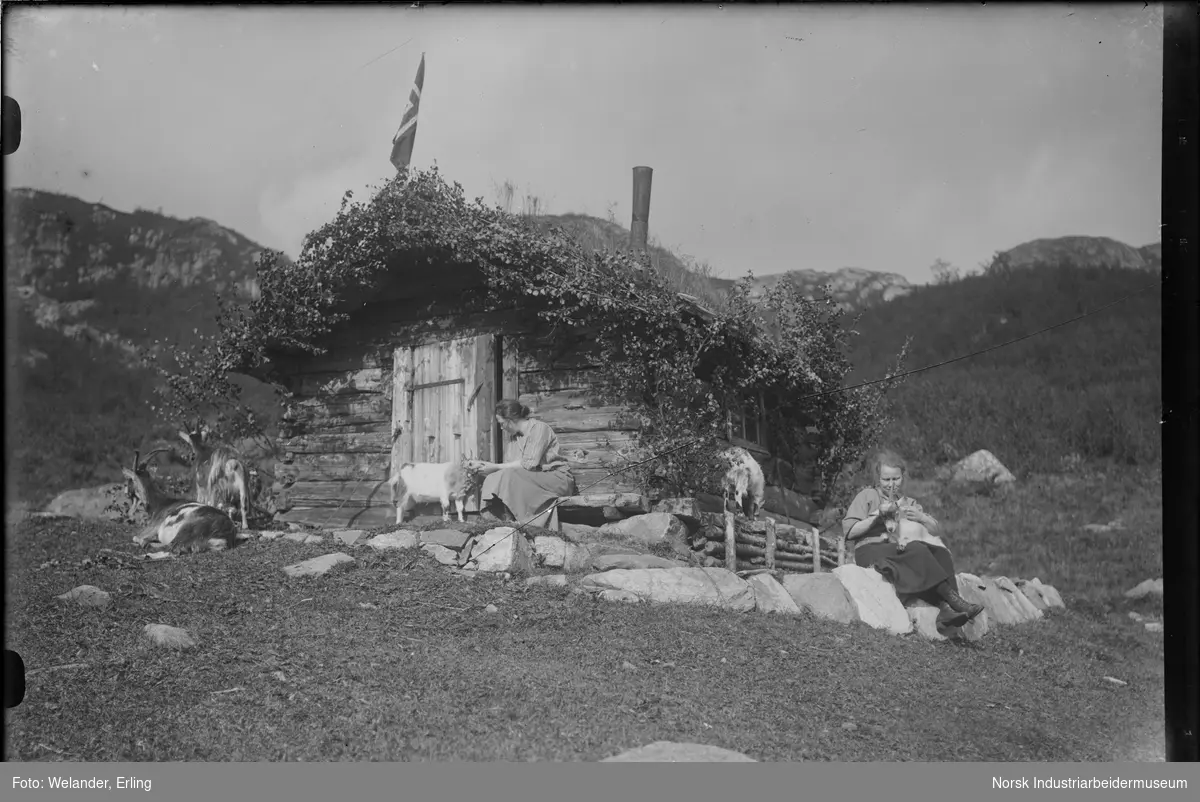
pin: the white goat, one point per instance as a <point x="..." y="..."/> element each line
<point x="744" y="481"/>
<point x="425" y="482"/>
<point x="907" y="531"/>
<point x="177" y="524"/>
<point x="219" y="472"/>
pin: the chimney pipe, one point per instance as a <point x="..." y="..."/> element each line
<point x="640" y="228"/>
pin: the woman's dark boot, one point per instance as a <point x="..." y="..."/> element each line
<point x="948" y="617"/>
<point x="957" y="603"/>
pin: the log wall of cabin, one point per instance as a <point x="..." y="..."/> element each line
<point x="336" y="440"/>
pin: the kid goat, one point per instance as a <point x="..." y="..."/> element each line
<point x="425" y="482"/>
<point x="178" y="524"/>
<point x="219" y="472"/>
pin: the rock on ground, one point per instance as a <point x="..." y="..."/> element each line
<point x="548" y="580"/>
<point x="502" y="549"/>
<point x="348" y="537"/>
<point x="685" y="509"/>
<point x="86" y="502"/>
<point x="771" y="597"/>
<point x="317" y="565"/>
<point x="709" y="586"/>
<point x="551" y="550"/>
<point x="1047" y="592"/>
<point x="168" y="637"/>
<point x="627" y="596"/>
<point x="440" y="553"/>
<point x="87" y="596"/>
<point x="874" y="598"/>
<point x="450" y="538"/>
<point x="608" y="562"/>
<point x="648" y="529"/>
<point x="1150" y="587"/>
<point x="671" y="752"/>
<point x="1028" y="609"/>
<point x="400" y="539"/>
<point x="982" y="466"/>
<point x="1001" y="606"/>
<point x="823" y="595"/>
<point x="924" y="619"/>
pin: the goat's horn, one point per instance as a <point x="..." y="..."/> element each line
<point x="151" y="454"/>
<point x="136" y="460"/>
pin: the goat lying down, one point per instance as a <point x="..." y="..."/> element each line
<point x="744" y="481"/>
<point x="426" y="482"/>
<point x="180" y="525"/>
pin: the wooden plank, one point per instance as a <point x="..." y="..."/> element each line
<point x="543" y="381"/>
<point x="335" y="443"/>
<point x="401" y="434"/>
<point x="377" y="470"/>
<point x="484" y="371"/>
<point x="361" y="492"/>
<point x="770" y="543"/>
<point x="815" y="543"/>
<point x="366" y="407"/>
<point x="730" y="543"/>
<point x="584" y="477"/>
<point x="339" y="382"/>
<point x="344" y="518"/>
<point x="628" y="503"/>
<point x="510" y="368"/>
<point x="599" y="419"/>
<point x="349" y="424"/>
<point x="347" y="357"/>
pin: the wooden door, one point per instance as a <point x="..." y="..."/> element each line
<point x="444" y="399"/>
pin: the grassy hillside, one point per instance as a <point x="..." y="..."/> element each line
<point x="1091" y="388"/>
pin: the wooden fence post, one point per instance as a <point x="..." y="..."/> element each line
<point x="771" y="544"/>
<point x="814" y="537"/>
<point x="730" y="542"/>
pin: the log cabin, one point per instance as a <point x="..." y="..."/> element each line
<point x="414" y="376"/>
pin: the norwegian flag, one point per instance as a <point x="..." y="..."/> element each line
<point x="402" y="142"/>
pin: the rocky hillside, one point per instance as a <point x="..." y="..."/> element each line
<point x="853" y="287"/>
<point x="87" y="286"/>
<point x="1084" y="252"/>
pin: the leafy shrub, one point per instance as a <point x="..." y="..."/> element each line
<point x="679" y="368"/>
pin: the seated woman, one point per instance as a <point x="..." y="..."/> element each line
<point x="920" y="569"/>
<point x="525" y="486"/>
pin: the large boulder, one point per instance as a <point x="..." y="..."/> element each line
<point x="924" y="620"/>
<point x="708" y="586"/>
<point x="1029" y="610"/>
<point x="502" y="549"/>
<point x="1150" y="587"/>
<point x="670" y="752"/>
<point x="1047" y="593"/>
<point x="982" y="466"/>
<point x="772" y="597"/>
<point x="397" y="540"/>
<point x="87" y="502"/>
<point x="449" y="538"/>
<point x="874" y="598"/>
<point x="609" y="562"/>
<point x="823" y="595"/>
<point x="1002" y="606"/>
<point x="649" y="529"/>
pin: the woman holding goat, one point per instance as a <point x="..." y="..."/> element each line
<point x="898" y="539"/>
<point x="534" y="478"/>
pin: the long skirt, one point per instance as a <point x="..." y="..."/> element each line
<point x="915" y="571"/>
<point x="528" y="493"/>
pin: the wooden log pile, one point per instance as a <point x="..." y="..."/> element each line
<point x="739" y="544"/>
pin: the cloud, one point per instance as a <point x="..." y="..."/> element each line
<point x="288" y="213"/>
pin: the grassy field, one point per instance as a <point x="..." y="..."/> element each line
<point x="393" y="658"/>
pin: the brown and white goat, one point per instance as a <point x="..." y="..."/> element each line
<point x="219" y="473"/>
<point x="426" y="482"/>
<point x="744" y="481"/>
<point x="180" y="525"/>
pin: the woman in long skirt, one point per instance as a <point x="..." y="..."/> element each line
<point x="526" y="487"/>
<point x="920" y="569"/>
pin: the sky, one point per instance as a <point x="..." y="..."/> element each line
<point x="806" y="136"/>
